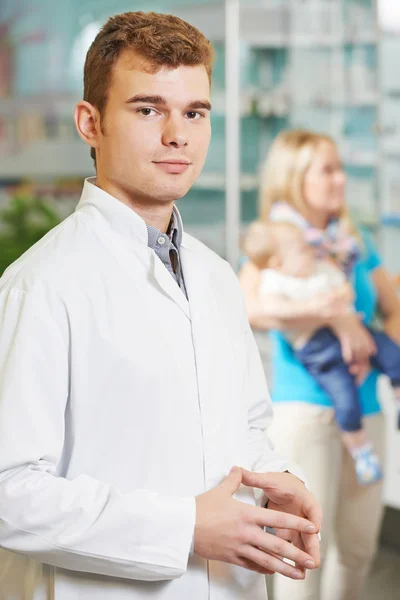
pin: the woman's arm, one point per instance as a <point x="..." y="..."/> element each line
<point x="389" y="304"/>
<point x="275" y="311"/>
<point x="388" y="301"/>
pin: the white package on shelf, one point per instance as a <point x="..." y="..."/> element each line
<point x="319" y="19"/>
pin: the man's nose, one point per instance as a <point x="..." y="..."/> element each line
<point x="175" y="133"/>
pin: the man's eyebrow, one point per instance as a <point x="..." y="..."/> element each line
<point x="205" y="104"/>
<point x="160" y="101"/>
<point x="147" y="99"/>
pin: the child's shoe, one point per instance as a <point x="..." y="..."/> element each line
<point x="367" y="465"/>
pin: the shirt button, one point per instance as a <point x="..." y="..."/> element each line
<point x="161" y="240"/>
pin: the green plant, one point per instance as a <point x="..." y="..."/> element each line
<point x="23" y="222"/>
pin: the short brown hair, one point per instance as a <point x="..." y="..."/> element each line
<point x="162" y="40"/>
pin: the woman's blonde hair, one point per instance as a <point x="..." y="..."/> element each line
<point x="282" y="176"/>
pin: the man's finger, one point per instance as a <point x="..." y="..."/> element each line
<point x="294" y="538"/>
<point x="312" y="510"/>
<point x="311" y="546"/>
<point x="232" y="481"/>
<point x="268" y="481"/>
<point x="263" y="480"/>
<point x="287" y="534"/>
<point x="278" y="547"/>
<point x="251" y="566"/>
<point x="297" y="541"/>
<point x="272" y="563"/>
<point x="250" y="478"/>
<point x="265" y="517"/>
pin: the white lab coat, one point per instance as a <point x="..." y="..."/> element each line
<point x="120" y="401"/>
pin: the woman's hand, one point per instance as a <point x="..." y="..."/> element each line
<point x="388" y="301"/>
<point x="360" y="370"/>
<point x="332" y="304"/>
<point x="356" y="342"/>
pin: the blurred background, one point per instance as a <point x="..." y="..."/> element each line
<point x="329" y="65"/>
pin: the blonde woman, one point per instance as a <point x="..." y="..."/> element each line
<point x="303" y="182"/>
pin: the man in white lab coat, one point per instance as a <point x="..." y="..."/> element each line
<point x="130" y="383"/>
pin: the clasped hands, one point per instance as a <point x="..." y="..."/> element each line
<point x="232" y="531"/>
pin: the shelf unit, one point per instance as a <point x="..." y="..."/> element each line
<point x="313" y="63"/>
<point x="306" y="64"/>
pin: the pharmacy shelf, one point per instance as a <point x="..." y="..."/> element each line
<point x="217" y="181"/>
<point x="277" y="110"/>
<point x="269" y="26"/>
<point x="46" y="159"/>
<point x="392" y="154"/>
<point x="60" y="104"/>
<point x="360" y="159"/>
<point x="392" y="220"/>
<point x="308" y="42"/>
<point x="265" y="104"/>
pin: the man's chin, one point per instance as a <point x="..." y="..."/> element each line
<point x="171" y="193"/>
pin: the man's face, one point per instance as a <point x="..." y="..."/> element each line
<point x="155" y="130"/>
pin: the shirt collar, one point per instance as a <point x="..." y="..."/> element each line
<point x="174" y="231"/>
<point x="121" y="217"/>
<point x="175" y="228"/>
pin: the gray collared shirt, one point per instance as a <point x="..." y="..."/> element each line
<point x="167" y="246"/>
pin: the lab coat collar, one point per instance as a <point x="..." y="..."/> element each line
<point x="121" y="218"/>
<point x="128" y="223"/>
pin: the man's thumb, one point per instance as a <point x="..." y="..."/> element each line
<point x="233" y="480"/>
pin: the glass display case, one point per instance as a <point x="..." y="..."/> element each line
<point x="311" y="64"/>
<point x="389" y="65"/>
<point x="389" y="134"/>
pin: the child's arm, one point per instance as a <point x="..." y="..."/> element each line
<point x="347" y="293"/>
<point x="336" y="279"/>
<point x="276" y="311"/>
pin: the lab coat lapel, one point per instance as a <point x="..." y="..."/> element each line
<point x="198" y="285"/>
<point x="168" y="286"/>
<point x="131" y="234"/>
<point x="197" y="278"/>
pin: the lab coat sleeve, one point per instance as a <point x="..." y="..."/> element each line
<point x="264" y="458"/>
<point x="260" y="414"/>
<point x="79" y="524"/>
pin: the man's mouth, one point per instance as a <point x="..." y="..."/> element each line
<point x="173" y="166"/>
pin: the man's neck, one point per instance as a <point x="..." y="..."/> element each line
<point x="156" y="214"/>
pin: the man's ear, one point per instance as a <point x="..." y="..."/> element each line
<point x="87" y="123"/>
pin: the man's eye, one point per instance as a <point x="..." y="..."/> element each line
<point x="194" y="115"/>
<point x="146" y="111"/>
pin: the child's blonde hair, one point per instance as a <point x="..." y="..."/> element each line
<point x="264" y="239"/>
